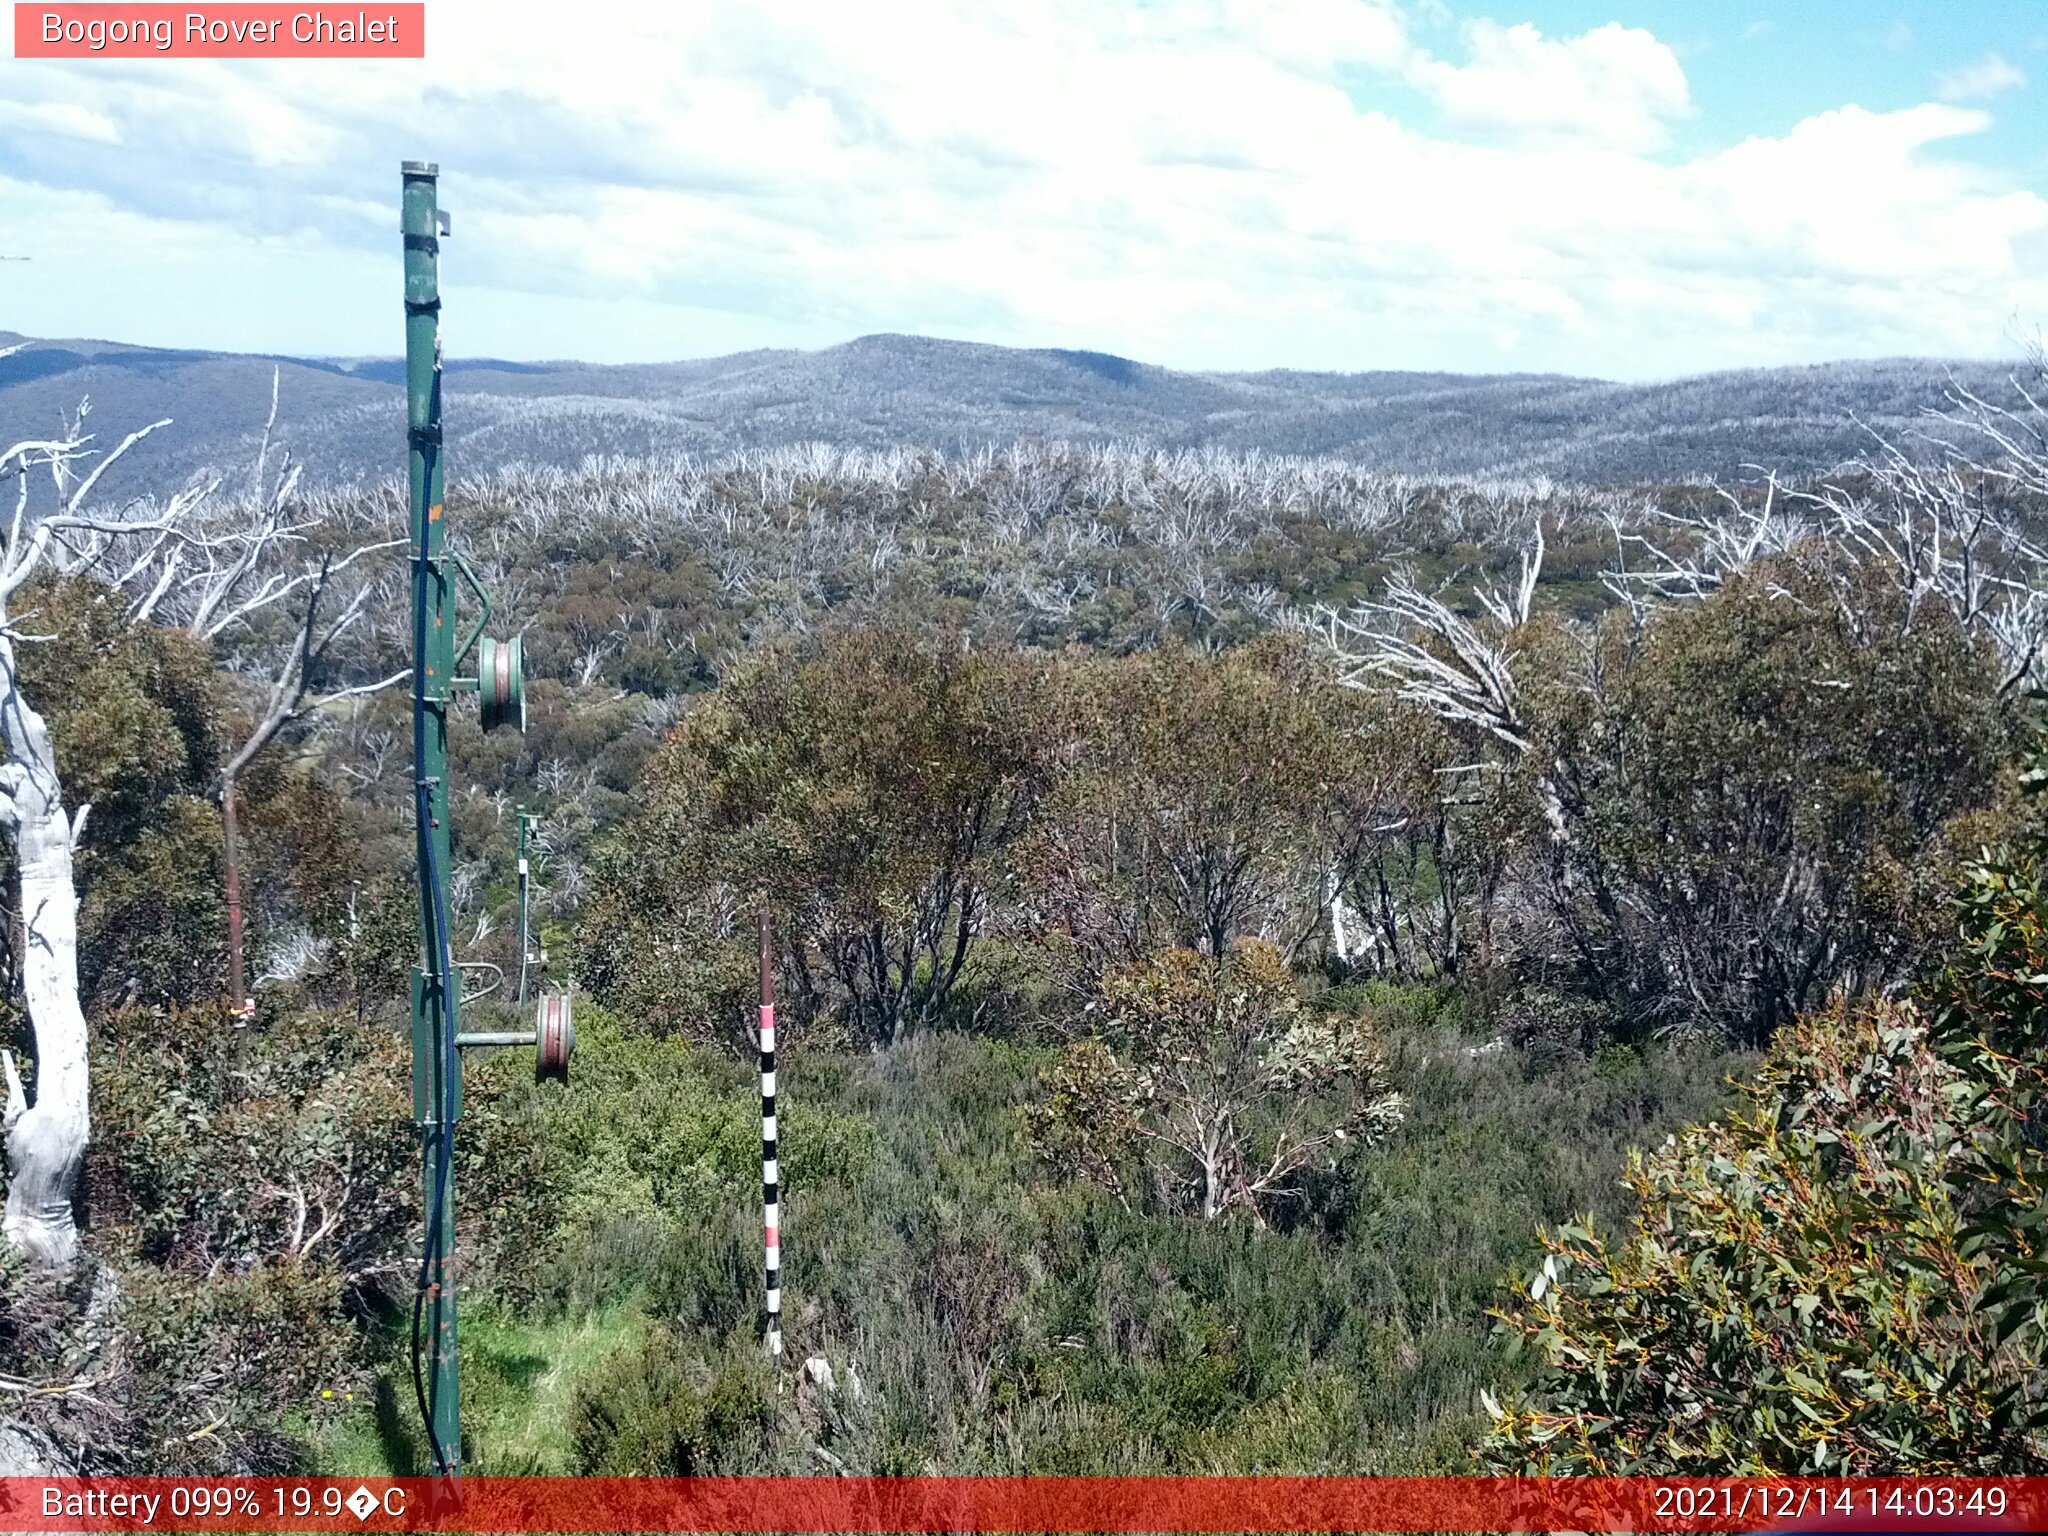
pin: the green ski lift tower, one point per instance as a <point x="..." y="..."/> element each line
<point x="437" y="996"/>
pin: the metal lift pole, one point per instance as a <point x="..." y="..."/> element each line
<point x="437" y="1073"/>
<point x="500" y="685"/>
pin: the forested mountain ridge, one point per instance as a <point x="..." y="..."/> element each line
<point x="342" y="416"/>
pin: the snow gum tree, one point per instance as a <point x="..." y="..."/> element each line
<point x="190" y="562"/>
<point x="46" y="1139"/>
<point x="1213" y="1081"/>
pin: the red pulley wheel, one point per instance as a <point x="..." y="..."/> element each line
<point x="501" y="682"/>
<point x="554" y="1038"/>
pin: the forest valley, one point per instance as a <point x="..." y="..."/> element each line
<point x="1283" y="969"/>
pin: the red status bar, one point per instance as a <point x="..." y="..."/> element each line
<point x="1045" y="1504"/>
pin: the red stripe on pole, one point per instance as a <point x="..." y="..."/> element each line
<point x="1047" y="1504"/>
<point x="771" y="1190"/>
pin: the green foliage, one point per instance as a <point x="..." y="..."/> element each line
<point x="1542" y="1018"/>
<point x="378" y="944"/>
<point x="1758" y="792"/>
<point x="1001" y="1322"/>
<point x="132" y="720"/>
<point x="131" y="709"/>
<point x="1217" y="1078"/>
<point x="864" y="793"/>
<point x="894" y="802"/>
<point x="1844" y="1275"/>
<point x="138" y="719"/>
<point x="521" y="1374"/>
<point x="642" y="1415"/>
<point x="222" y="1365"/>
<point x="1089" y="1120"/>
<point x="1798" y="1294"/>
<point x="653" y="1133"/>
<point x="220" y="1147"/>
<point x="1203" y="799"/>
<point x="248" y="1188"/>
<point x="301" y="858"/>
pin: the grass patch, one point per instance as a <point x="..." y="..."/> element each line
<point x="519" y="1377"/>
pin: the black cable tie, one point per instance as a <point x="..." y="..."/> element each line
<point x="423" y="437"/>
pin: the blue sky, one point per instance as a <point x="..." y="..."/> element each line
<point x="1630" y="190"/>
<point x="1759" y="69"/>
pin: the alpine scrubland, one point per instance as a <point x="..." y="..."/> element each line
<point x="1284" y="967"/>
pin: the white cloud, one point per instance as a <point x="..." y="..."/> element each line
<point x="61" y="118"/>
<point x="1207" y="183"/>
<point x="1615" y="85"/>
<point x="1980" y="80"/>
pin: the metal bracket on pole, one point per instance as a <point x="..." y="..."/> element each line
<point x="553" y="1037"/>
<point x="483" y="601"/>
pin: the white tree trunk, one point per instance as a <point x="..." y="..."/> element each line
<point x="45" y="1141"/>
<point x="1340" y="938"/>
<point x="212" y="572"/>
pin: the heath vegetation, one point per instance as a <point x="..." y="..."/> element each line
<point x="1284" y="968"/>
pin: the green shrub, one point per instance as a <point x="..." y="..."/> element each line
<point x="642" y="1414"/>
<point x="865" y="790"/>
<point x="1760" y="789"/>
<point x="1214" y="1078"/>
<point x="220" y="1146"/>
<point x="1844" y="1276"/>
<point x="146" y="1370"/>
<point x="655" y="1141"/>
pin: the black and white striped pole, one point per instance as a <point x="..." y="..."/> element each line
<point x="771" y="1177"/>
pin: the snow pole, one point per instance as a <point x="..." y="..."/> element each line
<point x="529" y="959"/>
<point x="771" y="1178"/>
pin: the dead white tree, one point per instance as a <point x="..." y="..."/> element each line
<point x="1951" y="518"/>
<point x="1459" y="667"/>
<point x="46" y="1140"/>
<point x="254" y="563"/>
<point x="1426" y="652"/>
<point x="1690" y="556"/>
<point x="188" y="562"/>
<point x="1947" y="514"/>
<point x="291" y="696"/>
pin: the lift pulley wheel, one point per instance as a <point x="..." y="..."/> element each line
<point x="501" y="683"/>
<point x="554" y="1039"/>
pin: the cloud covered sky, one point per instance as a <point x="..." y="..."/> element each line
<point x="1625" y="189"/>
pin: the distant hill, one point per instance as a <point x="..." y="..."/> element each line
<point x="344" y="417"/>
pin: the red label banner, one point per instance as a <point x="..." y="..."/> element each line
<point x="231" y="31"/>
